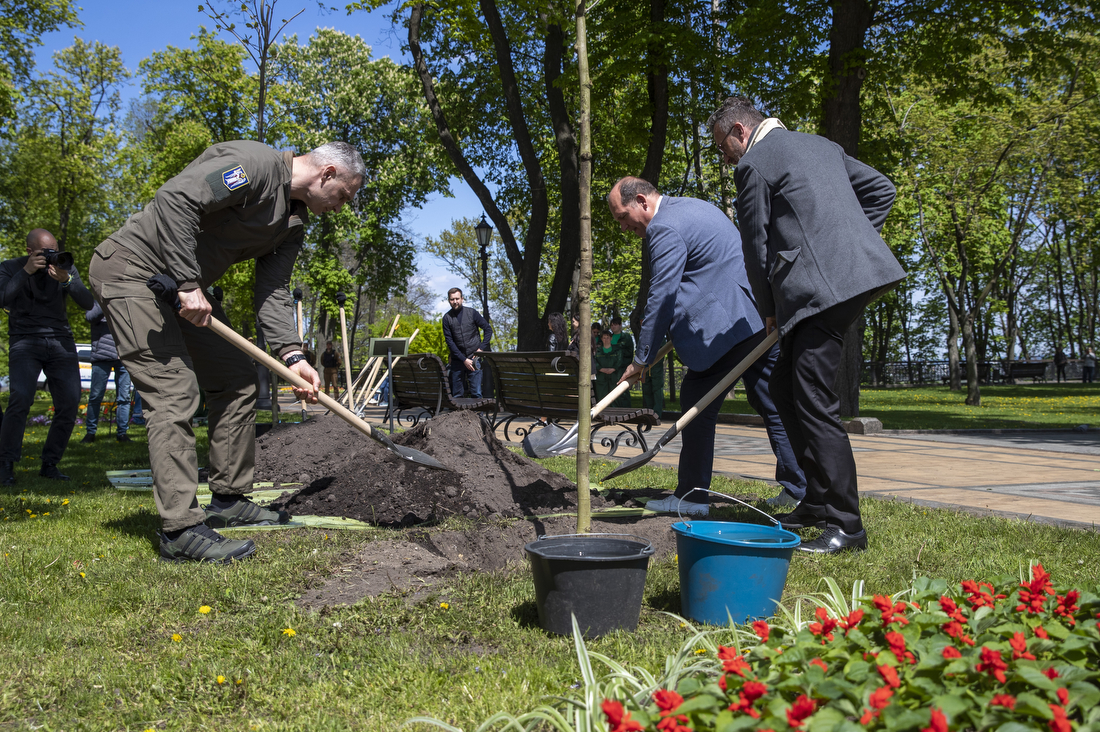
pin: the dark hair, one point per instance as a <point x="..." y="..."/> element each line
<point x="732" y="111"/>
<point x="629" y="187"/>
<point x="557" y="329"/>
<point x="452" y="291"/>
<point x="596" y="325"/>
<point x="617" y="320"/>
<point x="607" y="333"/>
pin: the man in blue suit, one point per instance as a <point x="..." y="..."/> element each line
<point x="699" y="295"/>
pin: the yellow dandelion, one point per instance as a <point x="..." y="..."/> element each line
<point x="700" y="651"/>
<point x="82" y="575"/>
<point x="34" y="515"/>
<point x="289" y="632"/>
<point x="220" y="679"/>
<point x="177" y="637"/>
<point x="240" y="681"/>
<point x="65" y="502"/>
<point x="444" y="606"/>
<point x="205" y="609"/>
<point x="46" y="514"/>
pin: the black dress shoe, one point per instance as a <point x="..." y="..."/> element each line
<point x="51" y="472"/>
<point x="833" y="540"/>
<point x="802" y="517"/>
<point x="7" y="472"/>
<point x="124" y="438"/>
<point x="89" y="438"/>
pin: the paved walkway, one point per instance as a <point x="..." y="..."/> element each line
<point x="1044" y="476"/>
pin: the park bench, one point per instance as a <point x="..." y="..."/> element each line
<point x="988" y="372"/>
<point x="544" y="385"/>
<point x="420" y="387"/>
<point x="1035" y="370"/>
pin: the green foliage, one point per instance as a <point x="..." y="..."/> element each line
<point x="428" y="340"/>
<point x="22" y="25"/>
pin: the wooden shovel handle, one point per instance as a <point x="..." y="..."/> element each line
<point x="621" y="388"/>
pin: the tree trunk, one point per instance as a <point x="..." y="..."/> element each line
<point x="973" y="388"/>
<point x="584" y="392"/>
<point x="954" y="378"/>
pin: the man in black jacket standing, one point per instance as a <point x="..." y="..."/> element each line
<point x="33" y="290"/>
<point x="104" y="360"/>
<point x="460" y="329"/>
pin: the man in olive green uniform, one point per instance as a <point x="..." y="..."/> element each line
<point x="624" y="344"/>
<point x="237" y="201"/>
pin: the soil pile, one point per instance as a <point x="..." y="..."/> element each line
<point x="347" y="474"/>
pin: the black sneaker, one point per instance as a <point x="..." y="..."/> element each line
<point x="50" y="471"/>
<point x="243" y="513"/>
<point x="7" y="472"/>
<point x="90" y="437"/>
<point x="202" y="544"/>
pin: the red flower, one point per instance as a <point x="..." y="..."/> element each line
<point x="1019" y="647"/>
<point x="851" y="620"/>
<point x="760" y="627"/>
<point x="732" y="661"/>
<point x="993" y="664"/>
<point x="890" y="676"/>
<point x="667" y="700"/>
<point x="1067" y="606"/>
<point x="948" y="606"/>
<point x="618" y="719"/>
<point x="1040" y="633"/>
<point x="939" y="722"/>
<point x="1063" y="696"/>
<point x="1059" y="723"/>
<point x="956" y="630"/>
<point x="891" y="613"/>
<point x="896" y="641"/>
<point x="1003" y="700"/>
<point x="1051" y="674"/>
<point x="880" y="699"/>
<point x="750" y="692"/>
<point x="978" y="596"/>
<point x="1034" y="594"/>
<point x="675" y="723"/>
<point x="951" y="652"/>
<point x="821" y="664"/>
<point x="802" y="708"/>
<point x="823" y="629"/>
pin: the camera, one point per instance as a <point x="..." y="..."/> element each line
<point x="63" y="260"/>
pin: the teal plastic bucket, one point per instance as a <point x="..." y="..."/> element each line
<point x="731" y="570"/>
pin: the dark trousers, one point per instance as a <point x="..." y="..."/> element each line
<point x="28" y="356"/>
<point x="463" y="380"/>
<point x="697" y="449"/>
<point x="803" y="384"/>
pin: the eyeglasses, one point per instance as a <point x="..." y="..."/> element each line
<point x="722" y="140"/>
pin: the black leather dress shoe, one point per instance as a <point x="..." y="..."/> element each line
<point x="123" y="438"/>
<point x="7" y="472"/>
<point x="88" y="438"/>
<point x="801" y="518"/>
<point x="833" y="540"/>
<point x="51" y="472"/>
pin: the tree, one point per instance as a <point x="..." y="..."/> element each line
<point x="22" y="25"/>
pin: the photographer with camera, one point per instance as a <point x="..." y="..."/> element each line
<point x="33" y="291"/>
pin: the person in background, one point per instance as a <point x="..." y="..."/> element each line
<point x="1060" y="361"/>
<point x="330" y="362"/>
<point x="557" y="340"/>
<point x="597" y="330"/>
<point x="653" y="388"/>
<point x="574" y="346"/>
<point x="104" y="361"/>
<point x="137" y="413"/>
<point x="608" y="362"/>
<point x="460" y="329"/>
<point x="625" y="345"/>
<point x="35" y="294"/>
<point x="1088" y="367"/>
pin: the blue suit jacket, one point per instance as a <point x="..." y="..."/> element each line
<point x="699" y="292"/>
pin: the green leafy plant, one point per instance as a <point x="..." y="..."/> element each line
<point x="1010" y="654"/>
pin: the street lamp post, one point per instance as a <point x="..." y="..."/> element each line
<point x="484" y="231"/>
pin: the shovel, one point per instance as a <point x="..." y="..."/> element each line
<point x="164" y="287"/>
<point x="723" y="386"/>
<point x="569" y="440"/>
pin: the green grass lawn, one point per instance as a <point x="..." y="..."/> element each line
<point x="1038" y="406"/>
<point x="99" y="635"/>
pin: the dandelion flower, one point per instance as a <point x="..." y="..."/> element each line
<point x="220" y="679"/>
<point x="700" y="651"/>
<point x="65" y="502"/>
<point x="82" y="575"/>
<point x="240" y="681"/>
<point x="205" y="609"/>
<point x="177" y="637"/>
<point x="289" y="632"/>
<point x="444" y="606"/>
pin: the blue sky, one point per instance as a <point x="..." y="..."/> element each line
<point x="140" y="27"/>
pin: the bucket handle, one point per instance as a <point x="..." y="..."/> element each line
<point x="647" y="542"/>
<point x="738" y="500"/>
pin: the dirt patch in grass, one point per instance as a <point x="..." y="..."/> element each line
<point x="423" y="558"/>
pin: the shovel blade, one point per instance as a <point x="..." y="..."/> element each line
<point x="420" y="458"/>
<point x="537" y="443"/>
<point x="567" y="444"/>
<point x="632" y="464"/>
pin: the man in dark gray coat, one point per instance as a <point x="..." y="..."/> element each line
<point x="810" y="218"/>
<point x="105" y="360"/>
<point x="699" y="295"/>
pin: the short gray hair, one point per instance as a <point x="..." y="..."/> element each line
<point x="734" y="110"/>
<point x="347" y="160"/>
<point x="629" y="187"/>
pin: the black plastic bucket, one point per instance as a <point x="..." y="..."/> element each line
<point x="599" y="578"/>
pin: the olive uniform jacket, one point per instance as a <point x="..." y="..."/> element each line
<point x="231" y="204"/>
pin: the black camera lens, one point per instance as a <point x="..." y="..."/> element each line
<point x="53" y="257"/>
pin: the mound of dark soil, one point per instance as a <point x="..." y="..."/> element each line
<point x="350" y="475"/>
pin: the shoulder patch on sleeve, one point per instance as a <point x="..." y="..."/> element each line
<point x="235" y="178"/>
<point x="225" y="181"/>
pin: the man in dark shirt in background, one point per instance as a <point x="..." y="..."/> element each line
<point x="330" y="362"/>
<point x="40" y="340"/>
<point x="460" y="330"/>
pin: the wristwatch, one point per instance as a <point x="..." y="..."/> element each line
<point x="291" y="360"/>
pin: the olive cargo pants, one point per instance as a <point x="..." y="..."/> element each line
<point x="169" y="359"/>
